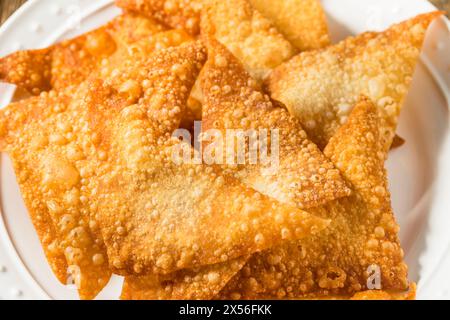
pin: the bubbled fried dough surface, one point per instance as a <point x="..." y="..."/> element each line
<point x="29" y="70"/>
<point x="178" y="14"/>
<point x="233" y="100"/>
<point x="250" y="36"/>
<point x="96" y="170"/>
<point x="72" y="61"/>
<point x="363" y="230"/>
<point x="320" y="87"/>
<point x="29" y="181"/>
<point x="158" y="216"/>
<point x="183" y="216"/>
<point x="70" y="159"/>
<point x="194" y="284"/>
<point x="302" y="22"/>
<point x="43" y="138"/>
<point x="203" y="283"/>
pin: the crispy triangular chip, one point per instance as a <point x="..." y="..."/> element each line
<point x="72" y="61"/>
<point x="302" y="22"/>
<point x="195" y="283"/>
<point x="42" y="137"/>
<point x="49" y="140"/>
<point x="10" y="120"/>
<point x="70" y="65"/>
<point x="363" y="232"/>
<point x="160" y="216"/>
<point x="229" y="74"/>
<point x="233" y="100"/>
<point x="320" y="87"/>
<point x="169" y="215"/>
<point x="247" y="34"/>
<point x="178" y="14"/>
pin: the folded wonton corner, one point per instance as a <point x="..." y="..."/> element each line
<point x="362" y="240"/>
<point x="320" y="87"/>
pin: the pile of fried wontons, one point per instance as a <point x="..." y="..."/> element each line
<point x="90" y="134"/>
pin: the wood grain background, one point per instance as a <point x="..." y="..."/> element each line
<point x="7" y="7"/>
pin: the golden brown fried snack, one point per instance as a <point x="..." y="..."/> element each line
<point x="43" y="137"/>
<point x="185" y="284"/>
<point x="169" y="216"/>
<point x="233" y="100"/>
<point x="66" y="58"/>
<point x="247" y="34"/>
<point x="29" y="182"/>
<point x="112" y="122"/>
<point x="160" y="216"/>
<point x="195" y="284"/>
<point x="178" y="14"/>
<point x="72" y="61"/>
<point x="29" y="70"/>
<point x="363" y="231"/>
<point x="129" y="27"/>
<point x="47" y="139"/>
<point x="302" y="22"/>
<point x="320" y="87"/>
<point x="202" y="283"/>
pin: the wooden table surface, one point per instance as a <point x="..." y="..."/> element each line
<point x="7" y="7"/>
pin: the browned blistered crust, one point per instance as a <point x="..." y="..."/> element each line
<point x="94" y="158"/>
<point x="233" y="100"/>
<point x="178" y="14"/>
<point x="302" y="22"/>
<point x="363" y="231"/>
<point x="321" y="87"/>
<point x="109" y="185"/>
<point x="70" y="62"/>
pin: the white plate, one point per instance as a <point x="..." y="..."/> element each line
<point x="419" y="171"/>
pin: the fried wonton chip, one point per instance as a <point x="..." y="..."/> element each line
<point x="361" y="241"/>
<point x="178" y="14"/>
<point x="46" y="137"/>
<point x="181" y="287"/>
<point x="320" y="87"/>
<point x="29" y="182"/>
<point x="302" y="22"/>
<point x="233" y="100"/>
<point x="182" y="284"/>
<point x="247" y="34"/>
<point x="72" y="61"/>
<point x="67" y="59"/>
<point x="158" y="215"/>
<point x="41" y="135"/>
<point x="202" y="283"/>
<point x="168" y="216"/>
